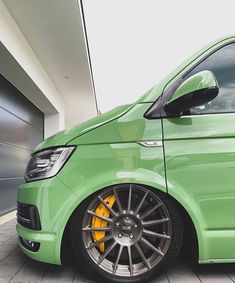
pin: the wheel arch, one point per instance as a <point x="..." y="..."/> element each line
<point x="190" y="245"/>
<point x="191" y="238"/>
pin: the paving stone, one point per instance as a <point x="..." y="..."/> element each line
<point x="213" y="279"/>
<point x="81" y="278"/>
<point x="161" y="279"/>
<point x="15" y="259"/>
<point x="3" y="255"/>
<point x="7" y="233"/>
<point x="59" y="274"/>
<point x="180" y="276"/>
<point x="212" y="273"/>
<point x="18" y="251"/>
<point x="3" y="239"/>
<point x="5" y="279"/>
<point x="231" y="274"/>
<point x="11" y="222"/>
<point x="7" y="247"/>
<point x="10" y="227"/>
<point x="216" y="273"/>
<point x="32" y="271"/>
<point x="11" y="241"/>
<point x="8" y="269"/>
<point x="181" y="264"/>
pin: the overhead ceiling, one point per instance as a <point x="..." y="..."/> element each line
<point x="54" y="29"/>
<point x="13" y="72"/>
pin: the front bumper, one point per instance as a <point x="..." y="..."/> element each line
<point x="48" y="250"/>
<point x="55" y="203"/>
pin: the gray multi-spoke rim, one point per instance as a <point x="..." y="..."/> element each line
<point x="138" y="232"/>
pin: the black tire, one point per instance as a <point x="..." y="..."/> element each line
<point x="91" y="268"/>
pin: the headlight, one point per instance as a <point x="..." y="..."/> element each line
<point x="46" y="164"/>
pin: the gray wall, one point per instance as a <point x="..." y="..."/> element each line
<point x="21" y="129"/>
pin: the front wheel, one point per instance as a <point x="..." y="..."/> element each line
<point x="126" y="233"/>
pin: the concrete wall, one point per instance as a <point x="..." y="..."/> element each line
<point x="22" y="68"/>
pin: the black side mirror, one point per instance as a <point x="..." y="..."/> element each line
<point x="195" y="91"/>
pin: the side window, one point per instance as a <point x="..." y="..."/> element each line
<point x="222" y="64"/>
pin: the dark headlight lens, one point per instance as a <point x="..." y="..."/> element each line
<point x="47" y="163"/>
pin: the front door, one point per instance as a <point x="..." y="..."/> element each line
<point x="200" y="158"/>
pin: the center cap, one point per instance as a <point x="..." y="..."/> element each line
<point x="126" y="228"/>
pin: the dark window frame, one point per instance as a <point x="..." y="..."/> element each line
<point x="156" y="110"/>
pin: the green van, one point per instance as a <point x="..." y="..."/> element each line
<point x="122" y="191"/>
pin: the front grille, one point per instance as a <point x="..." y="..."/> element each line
<point x="28" y="216"/>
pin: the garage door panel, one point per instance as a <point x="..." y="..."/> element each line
<point x="19" y="105"/>
<point x="17" y="132"/>
<point x="8" y="194"/>
<point x="21" y="130"/>
<point x="13" y="161"/>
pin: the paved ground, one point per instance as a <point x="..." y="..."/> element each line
<point x="15" y="267"/>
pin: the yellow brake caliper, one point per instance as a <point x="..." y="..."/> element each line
<point x="96" y="222"/>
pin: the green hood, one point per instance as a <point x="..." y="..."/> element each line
<point x="64" y="137"/>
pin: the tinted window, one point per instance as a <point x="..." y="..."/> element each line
<point x="222" y="64"/>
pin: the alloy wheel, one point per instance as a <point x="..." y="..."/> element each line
<point x="133" y="233"/>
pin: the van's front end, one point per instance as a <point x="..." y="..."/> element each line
<point x="72" y="165"/>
